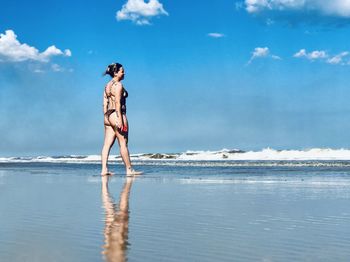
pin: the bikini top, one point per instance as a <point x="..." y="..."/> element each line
<point x="111" y="105"/>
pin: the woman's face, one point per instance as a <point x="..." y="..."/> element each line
<point x="121" y="73"/>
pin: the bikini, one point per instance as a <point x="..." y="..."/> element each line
<point x="111" y="107"/>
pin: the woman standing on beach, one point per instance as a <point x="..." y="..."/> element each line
<point x="115" y="121"/>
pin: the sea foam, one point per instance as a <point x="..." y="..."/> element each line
<point x="224" y="155"/>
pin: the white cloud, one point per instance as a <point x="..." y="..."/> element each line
<point x="67" y="52"/>
<point x="310" y="9"/>
<point x="255" y="6"/>
<point x="276" y="57"/>
<point x="317" y="55"/>
<point x="301" y="53"/>
<point x="47" y="67"/>
<point x="57" y="68"/>
<point x="38" y="71"/>
<point x="325" y="7"/>
<point x="338" y="59"/>
<point x="323" y="56"/>
<point x="314" y="55"/>
<point x="50" y="51"/>
<point x="216" y="35"/>
<point x="260" y="52"/>
<point x="12" y="50"/>
<point x="140" y="12"/>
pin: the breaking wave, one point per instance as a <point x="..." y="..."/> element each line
<point x="224" y="157"/>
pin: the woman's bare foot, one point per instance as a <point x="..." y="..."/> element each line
<point x="106" y="173"/>
<point x="132" y="172"/>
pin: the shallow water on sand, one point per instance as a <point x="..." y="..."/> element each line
<point x="66" y="212"/>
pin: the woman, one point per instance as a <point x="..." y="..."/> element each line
<point x="115" y="121"/>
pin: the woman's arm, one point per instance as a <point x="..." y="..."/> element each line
<point x="105" y="102"/>
<point x="118" y="89"/>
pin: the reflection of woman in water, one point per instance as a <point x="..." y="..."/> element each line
<point x="115" y="121"/>
<point x="117" y="222"/>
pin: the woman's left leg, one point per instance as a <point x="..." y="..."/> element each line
<point x="107" y="145"/>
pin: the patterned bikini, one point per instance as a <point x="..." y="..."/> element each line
<point x="111" y="108"/>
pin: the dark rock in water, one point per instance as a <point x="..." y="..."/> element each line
<point x="80" y="157"/>
<point x="234" y="151"/>
<point x="161" y="156"/>
<point x="148" y="154"/>
<point x="56" y="157"/>
<point x="22" y="158"/>
<point x="191" y="154"/>
<point x="156" y="156"/>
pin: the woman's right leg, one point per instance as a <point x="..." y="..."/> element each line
<point x="107" y="145"/>
<point x="124" y="151"/>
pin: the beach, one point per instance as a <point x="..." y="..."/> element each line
<point x="176" y="211"/>
<point x="236" y="112"/>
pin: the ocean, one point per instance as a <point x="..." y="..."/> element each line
<point x="60" y="209"/>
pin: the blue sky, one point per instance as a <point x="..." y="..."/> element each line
<point x="226" y="74"/>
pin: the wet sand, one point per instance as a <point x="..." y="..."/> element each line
<point x="67" y="212"/>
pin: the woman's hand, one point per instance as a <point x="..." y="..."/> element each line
<point x="119" y="123"/>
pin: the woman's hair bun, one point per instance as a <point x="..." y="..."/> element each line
<point x="112" y="69"/>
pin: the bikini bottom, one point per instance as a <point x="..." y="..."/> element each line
<point x="109" y="112"/>
<point x="123" y="131"/>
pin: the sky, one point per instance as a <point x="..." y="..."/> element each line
<point x="201" y="75"/>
